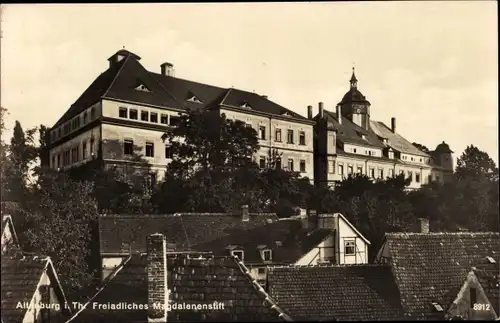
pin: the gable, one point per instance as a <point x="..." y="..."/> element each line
<point x="9" y="239"/>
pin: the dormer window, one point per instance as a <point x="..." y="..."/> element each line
<point x="267" y="255"/>
<point x="363" y="136"/>
<point x="143" y="88"/>
<point x="238" y="253"/>
<point x="437" y="307"/>
<point x="245" y="105"/>
<point x="194" y="99"/>
<point x="286" y="114"/>
<point x="278" y="243"/>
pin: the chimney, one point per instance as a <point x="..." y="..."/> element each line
<point x="167" y="69"/>
<point x="157" y="278"/>
<point x="320" y="109"/>
<point x="339" y="113"/>
<point x="245" y="216"/>
<point x="309" y="112"/>
<point x="424" y="225"/>
<point x="312" y="218"/>
<point x="393" y="125"/>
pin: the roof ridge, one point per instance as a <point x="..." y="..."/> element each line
<point x="261" y="291"/>
<point x="186" y="80"/>
<point x="438" y="234"/>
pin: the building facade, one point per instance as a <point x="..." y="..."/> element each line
<point x="126" y="110"/>
<point x="348" y="142"/>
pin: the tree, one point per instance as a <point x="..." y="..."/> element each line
<point x="44" y="145"/>
<point x="60" y="214"/>
<point x="474" y="162"/>
<point x="421" y="147"/>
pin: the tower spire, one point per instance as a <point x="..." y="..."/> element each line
<point x="354" y="80"/>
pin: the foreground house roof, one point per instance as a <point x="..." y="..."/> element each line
<point x="193" y="280"/>
<point x="120" y="80"/>
<point x="122" y="234"/>
<point x="21" y="277"/>
<point x="488" y="274"/>
<point x="431" y="267"/>
<point x="286" y="238"/>
<point x="344" y="293"/>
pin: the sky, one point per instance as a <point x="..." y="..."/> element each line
<point x="431" y="65"/>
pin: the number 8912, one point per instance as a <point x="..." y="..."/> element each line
<point x="481" y="307"/>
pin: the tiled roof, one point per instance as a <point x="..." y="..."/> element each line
<point x="193" y="281"/>
<point x="119" y="233"/>
<point x="429" y="266"/>
<point x="20" y="277"/>
<point x="488" y="275"/>
<point x="395" y="140"/>
<point x="293" y="242"/>
<point x="346" y="293"/>
<point x="350" y="132"/>
<point x="120" y="80"/>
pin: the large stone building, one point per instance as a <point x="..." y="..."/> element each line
<point x="127" y="108"/>
<point x="348" y="142"/>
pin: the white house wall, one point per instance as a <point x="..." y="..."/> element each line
<point x="6" y="238"/>
<point x="109" y="264"/>
<point x="345" y="232"/>
<point x="33" y="311"/>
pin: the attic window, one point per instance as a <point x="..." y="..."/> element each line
<point x="267" y="255"/>
<point x="194" y="99"/>
<point x="245" y="105"/>
<point x="142" y="87"/>
<point x="269" y="220"/>
<point x="437" y="307"/>
<point x="286" y="114"/>
<point x="363" y="136"/>
<point x="491" y="260"/>
<point x="278" y="243"/>
<point x="238" y="253"/>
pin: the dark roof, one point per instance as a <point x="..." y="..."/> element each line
<point x="443" y="148"/>
<point x="350" y="132"/>
<point x="488" y="274"/>
<point x="120" y="80"/>
<point x="429" y="266"/>
<point x="20" y="277"/>
<point x="293" y="242"/>
<point x="125" y="53"/>
<point x="396" y="141"/>
<point x="118" y="233"/>
<point x="192" y="281"/>
<point x="347" y="293"/>
<point x="354" y="95"/>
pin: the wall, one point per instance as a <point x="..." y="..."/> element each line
<point x="295" y="151"/>
<point x="113" y="146"/>
<point x="109" y="264"/>
<point x="77" y="141"/>
<point x="33" y="313"/>
<point x="324" y="251"/>
<point x="461" y="305"/>
<point x="97" y="107"/>
<point x="345" y="233"/>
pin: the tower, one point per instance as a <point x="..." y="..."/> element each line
<point x="443" y="156"/>
<point x="354" y="105"/>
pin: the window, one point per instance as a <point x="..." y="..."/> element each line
<point x="331" y="166"/>
<point x="77" y="153"/>
<point x="341" y="169"/>
<point x="150" y="149"/>
<point x="391" y="172"/>
<point x="91" y="147"/>
<point x="262" y="132"/>
<point x="164" y="118"/>
<point x="417" y="177"/>
<point x="84" y="150"/>
<point x="437" y="178"/>
<point x="54" y="161"/>
<point x="369" y="152"/>
<point x="401" y="172"/>
<point x="58" y="160"/>
<point x="360" y="170"/>
<point x="473" y="296"/>
<point x="302" y="138"/>
<point x="278" y="163"/>
<point x="429" y="178"/>
<point x="411" y="158"/>
<point x="350" y="170"/>
<point x="262" y="161"/>
<point x="128" y="147"/>
<point x="168" y="152"/>
<point x="85" y="117"/>
<point x="239" y="254"/>
<point x="290" y="164"/>
<point x="350" y="248"/>
<point x="122" y="113"/>
<point x="267" y="255"/>
<point x="277" y="136"/>
<point x="302" y="166"/>
<point x="66" y="158"/>
<point x="174" y="121"/>
<point x="144" y="115"/>
<point x="372" y="172"/>
<point x="354" y="150"/>
<point x="59" y="132"/>
<point x="154" y="117"/>
<point x="261" y="271"/>
<point x="381" y="173"/>
<point x="132" y="114"/>
<point x="410" y="175"/>
<point x="290" y="136"/>
<point x="92" y="113"/>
